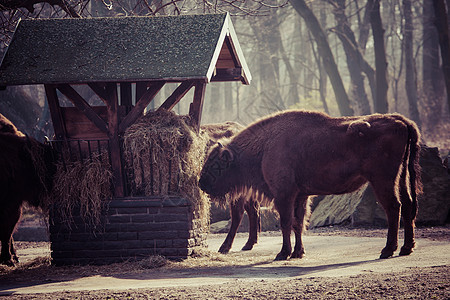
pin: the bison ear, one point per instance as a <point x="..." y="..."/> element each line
<point x="226" y="155"/>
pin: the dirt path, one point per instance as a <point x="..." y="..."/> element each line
<point x="339" y="264"/>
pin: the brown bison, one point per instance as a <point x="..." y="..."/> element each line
<point x="215" y="133"/>
<point x="26" y="175"/>
<point x="294" y="154"/>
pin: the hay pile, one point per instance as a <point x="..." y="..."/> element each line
<point x="82" y="186"/>
<point x="37" y="153"/>
<point x="164" y="156"/>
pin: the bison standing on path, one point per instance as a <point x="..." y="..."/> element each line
<point x="26" y="171"/>
<point x="291" y="155"/>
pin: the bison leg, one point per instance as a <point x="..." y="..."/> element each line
<point x="13" y="251"/>
<point x="8" y="253"/>
<point x="254" y="220"/>
<point x="280" y="178"/>
<point x="408" y="211"/>
<point x="285" y="210"/>
<point x="5" y="256"/>
<point x="385" y="192"/>
<point x="237" y="211"/>
<point x="299" y="224"/>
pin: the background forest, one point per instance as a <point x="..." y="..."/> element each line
<point x="343" y="57"/>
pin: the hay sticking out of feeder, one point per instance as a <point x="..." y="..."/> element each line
<point x="82" y="185"/>
<point x="37" y="153"/>
<point x="164" y="156"/>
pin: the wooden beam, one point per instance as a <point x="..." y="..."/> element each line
<point x="125" y="94"/>
<point x="55" y="111"/>
<point x="230" y="48"/>
<point x="196" y="107"/>
<point x="141" y="88"/>
<point x="176" y="96"/>
<point x="114" y="142"/>
<point x="141" y="104"/>
<point x="83" y="106"/>
<point x="99" y="90"/>
<point x="232" y="74"/>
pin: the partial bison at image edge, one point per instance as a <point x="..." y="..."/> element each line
<point x="288" y="156"/>
<point x="20" y="154"/>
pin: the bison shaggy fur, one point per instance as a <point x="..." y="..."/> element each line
<point x="288" y="156"/>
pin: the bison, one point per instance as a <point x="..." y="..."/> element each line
<point x="26" y="175"/>
<point x="291" y="155"/>
<point x="220" y="131"/>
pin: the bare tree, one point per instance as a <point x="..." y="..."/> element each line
<point x="380" y="101"/>
<point x="68" y="6"/>
<point x="441" y="13"/>
<point x="354" y="57"/>
<point x="410" y="75"/>
<point x="325" y="52"/>
<point x="431" y="76"/>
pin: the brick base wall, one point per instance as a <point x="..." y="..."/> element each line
<point x="130" y="228"/>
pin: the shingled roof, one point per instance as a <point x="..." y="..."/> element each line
<point x="174" y="48"/>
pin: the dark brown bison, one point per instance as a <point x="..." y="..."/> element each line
<point x="26" y="175"/>
<point x="293" y="154"/>
<point x="215" y="133"/>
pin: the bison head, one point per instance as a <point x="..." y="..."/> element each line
<point x="217" y="173"/>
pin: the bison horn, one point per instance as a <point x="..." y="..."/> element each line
<point x="226" y="155"/>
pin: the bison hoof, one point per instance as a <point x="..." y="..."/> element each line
<point x="386" y="254"/>
<point x="248" y="246"/>
<point x="298" y="254"/>
<point x="282" y="256"/>
<point x="224" y="249"/>
<point x="9" y="263"/>
<point x="405" y="251"/>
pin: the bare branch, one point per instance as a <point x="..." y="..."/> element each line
<point x="29" y="5"/>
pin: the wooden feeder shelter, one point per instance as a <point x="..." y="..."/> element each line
<point x="125" y="61"/>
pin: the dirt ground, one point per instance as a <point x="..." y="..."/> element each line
<point x="340" y="263"/>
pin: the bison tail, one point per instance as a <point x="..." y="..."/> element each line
<point x="413" y="164"/>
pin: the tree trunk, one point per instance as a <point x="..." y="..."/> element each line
<point x="322" y="73"/>
<point x="293" y="96"/>
<point x="228" y="99"/>
<point x="354" y="58"/>
<point x="380" y="101"/>
<point x="364" y="29"/>
<point x="431" y="75"/>
<point x="442" y="28"/>
<point x="410" y="76"/>
<point x="268" y="37"/>
<point x="325" y="52"/>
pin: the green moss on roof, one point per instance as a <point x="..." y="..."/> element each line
<point x="111" y="49"/>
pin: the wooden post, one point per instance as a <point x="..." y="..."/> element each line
<point x="114" y="142"/>
<point x="55" y="112"/>
<point x="141" y="104"/>
<point x="125" y="96"/>
<point x="195" y="109"/>
<point x="141" y="88"/>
